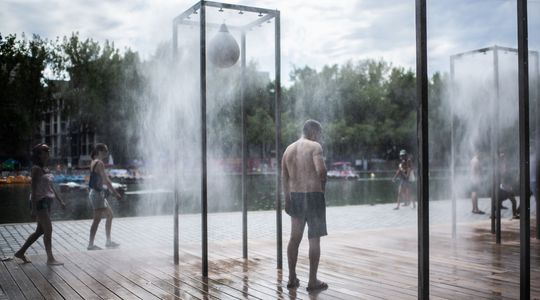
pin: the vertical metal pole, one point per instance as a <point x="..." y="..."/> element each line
<point x="495" y="144"/>
<point x="524" y="175"/>
<point x="423" y="148"/>
<point x="452" y="148"/>
<point x="176" y="230"/>
<point x="244" y="147"/>
<point x="204" y="181"/>
<point x="537" y="140"/>
<point x="279" y="233"/>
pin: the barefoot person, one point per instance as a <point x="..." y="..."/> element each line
<point x="97" y="196"/>
<point x="476" y="181"/>
<point x="43" y="194"/>
<point x="304" y="179"/>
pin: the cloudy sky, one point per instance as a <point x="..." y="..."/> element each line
<point x="314" y="33"/>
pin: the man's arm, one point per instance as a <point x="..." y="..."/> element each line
<point x="320" y="167"/>
<point x="285" y="181"/>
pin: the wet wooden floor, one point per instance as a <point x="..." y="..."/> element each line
<point x="374" y="264"/>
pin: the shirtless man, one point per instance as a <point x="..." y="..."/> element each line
<point x="304" y="180"/>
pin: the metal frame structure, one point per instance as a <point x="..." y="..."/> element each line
<point x="423" y="149"/>
<point x="265" y="15"/>
<point x="494" y="138"/>
<point x="423" y="182"/>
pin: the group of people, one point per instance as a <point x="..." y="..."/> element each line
<point x="43" y="194"/>
<point x="304" y="182"/>
<point x="505" y="190"/>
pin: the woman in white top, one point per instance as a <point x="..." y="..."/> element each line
<point x="43" y="194"/>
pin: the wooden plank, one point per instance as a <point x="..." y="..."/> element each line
<point x="120" y="274"/>
<point x="8" y="284"/>
<point x="73" y="282"/>
<point x="99" y="276"/>
<point x="150" y="267"/>
<point x="44" y="286"/>
<point x="23" y="282"/>
<point x="50" y="274"/>
<point x="93" y="284"/>
<point x="90" y="262"/>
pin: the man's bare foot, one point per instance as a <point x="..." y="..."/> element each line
<point x="317" y="287"/>
<point x="396" y="208"/>
<point x="22" y="257"/>
<point x="293" y="283"/>
<point x="54" y="262"/>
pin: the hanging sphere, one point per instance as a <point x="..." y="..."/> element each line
<point x="223" y="50"/>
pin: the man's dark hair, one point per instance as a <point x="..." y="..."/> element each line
<point x="311" y="127"/>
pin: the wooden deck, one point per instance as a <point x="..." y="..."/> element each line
<point x="374" y="264"/>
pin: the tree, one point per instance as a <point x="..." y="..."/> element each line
<point x="25" y="92"/>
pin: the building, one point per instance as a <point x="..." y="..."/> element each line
<point x="70" y="141"/>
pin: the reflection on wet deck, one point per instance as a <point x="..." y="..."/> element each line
<point x="368" y="264"/>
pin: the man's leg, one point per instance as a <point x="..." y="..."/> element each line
<point x="297" y="230"/>
<point x="515" y="212"/>
<point x="314" y="256"/>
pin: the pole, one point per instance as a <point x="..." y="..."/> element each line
<point x="524" y="175"/>
<point x="204" y="181"/>
<point x="176" y="200"/>
<point x="423" y="148"/>
<point x="495" y="146"/>
<point x="537" y="187"/>
<point x="244" y="147"/>
<point x="279" y="233"/>
<point x="452" y="149"/>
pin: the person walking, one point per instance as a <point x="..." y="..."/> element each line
<point x="41" y="199"/>
<point x="98" y="196"/>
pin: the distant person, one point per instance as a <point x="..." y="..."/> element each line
<point x="533" y="169"/>
<point x="505" y="187"/>
<point x="476" y="182"/>
<point x="403" y="174"/>
<point x="43" y="194"/>
<point x="304" y="180"/>
<point x="532" y="179"/>
<point x="98" y="196"/>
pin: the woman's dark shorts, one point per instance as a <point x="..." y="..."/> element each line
<point x="311" y="207"/>
<point x="44" y="204"/>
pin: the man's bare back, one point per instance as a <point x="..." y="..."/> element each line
<point x="303" y="167"/>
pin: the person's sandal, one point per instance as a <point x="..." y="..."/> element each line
<point x="93" y="247"/>
<point x="112" y="245"/>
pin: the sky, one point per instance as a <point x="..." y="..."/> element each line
<point x="314" y="33"/>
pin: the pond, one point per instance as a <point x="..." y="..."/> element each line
<point x="223" y="195"/>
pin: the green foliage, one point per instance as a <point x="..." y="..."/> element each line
<point x="367" y="108"/>
<point x="103" y="86"/>
<point x="23" y="90"/>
